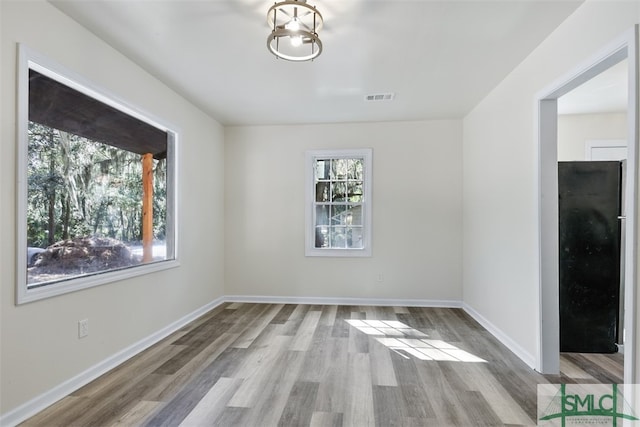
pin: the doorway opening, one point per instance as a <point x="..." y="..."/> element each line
<point x="592" y="153"/>
<point x="621" y="53"/>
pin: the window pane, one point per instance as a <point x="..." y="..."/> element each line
<point x="84" y="206"/>
<point x="339" y="168"/>
<point x="84" y="201"/>
<point x="338" y="191"/>
<point x="322" y="168"/>
<point x="322" y="215"/>
<point x="339" y="215"/>
<point x="354" y="238"/>
<point x="354" y="216"/>
<point x="338" y="237"/>
<point x="322" y="192"/>
<point x="346" y="215"/>
<point x="355" y="169"/>
<point x="355" y="191"/>
<point x="322" y="237"/>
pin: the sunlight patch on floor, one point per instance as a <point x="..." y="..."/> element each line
<point x="407" y="341"/>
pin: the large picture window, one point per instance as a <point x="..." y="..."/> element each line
<point x="96" y="185"/>
<point x="338" y="203"/>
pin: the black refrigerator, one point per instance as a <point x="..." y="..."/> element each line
<point x="589" y="202"/>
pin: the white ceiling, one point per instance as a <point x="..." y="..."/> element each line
<point x="605" y="93"/>
<point x="440" y="58"/>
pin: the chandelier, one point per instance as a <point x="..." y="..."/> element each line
<point x="294" y="30"/>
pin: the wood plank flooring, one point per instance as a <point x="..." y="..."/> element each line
<point x="322" y="365"/>
<point x="592" y="368"/>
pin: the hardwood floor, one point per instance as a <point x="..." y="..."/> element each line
<point x="591" y="367"/>
<point x="312" y="365"/>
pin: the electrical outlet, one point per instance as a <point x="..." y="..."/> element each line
<point x="83" y="328"/>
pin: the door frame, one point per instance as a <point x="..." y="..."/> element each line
<point x="546" y="112"/>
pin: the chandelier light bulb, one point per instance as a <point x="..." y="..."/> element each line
<point x="296" y="41"/>
<point x="293" y="25"/>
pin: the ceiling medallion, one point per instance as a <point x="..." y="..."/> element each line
<point x="294" y="30"/>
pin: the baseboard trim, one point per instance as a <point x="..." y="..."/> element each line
<point x="516" y="348"/>
<point x="343" y="301"/>
<point x="37" y="404"/>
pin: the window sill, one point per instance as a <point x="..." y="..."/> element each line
<point x="26" y="295"/>
<point x="338" y="253"/>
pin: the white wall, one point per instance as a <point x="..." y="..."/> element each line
<point x="416" y="212"/>
<point x="501" y="255"/>
<point x="39" y="346"/>
<point x="575" y="129"/>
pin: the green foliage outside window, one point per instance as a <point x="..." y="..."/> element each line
<point x="79" y="188"/>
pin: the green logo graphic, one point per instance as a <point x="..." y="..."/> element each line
<point x="586" y="404"/>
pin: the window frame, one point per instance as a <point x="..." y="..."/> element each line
<point x="366" y="154"/>
<point x="29" y="59"/>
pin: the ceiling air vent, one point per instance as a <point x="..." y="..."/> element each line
<point x="376" y="97"/>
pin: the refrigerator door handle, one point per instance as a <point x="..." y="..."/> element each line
<point x="622" y="217"/>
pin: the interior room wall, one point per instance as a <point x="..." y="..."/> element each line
<point x="500" y="163"/>
<point x="575" y="129"/>
<point x="39" y="347"/>
<point x="417" y="237"/>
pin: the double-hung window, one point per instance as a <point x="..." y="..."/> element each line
<point x="338" y="202"/>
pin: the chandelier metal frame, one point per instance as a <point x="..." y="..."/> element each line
<point x="298" y="22"/>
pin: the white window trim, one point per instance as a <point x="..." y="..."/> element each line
<point x="30" y="59"/>
<point x="310" y="157"/>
